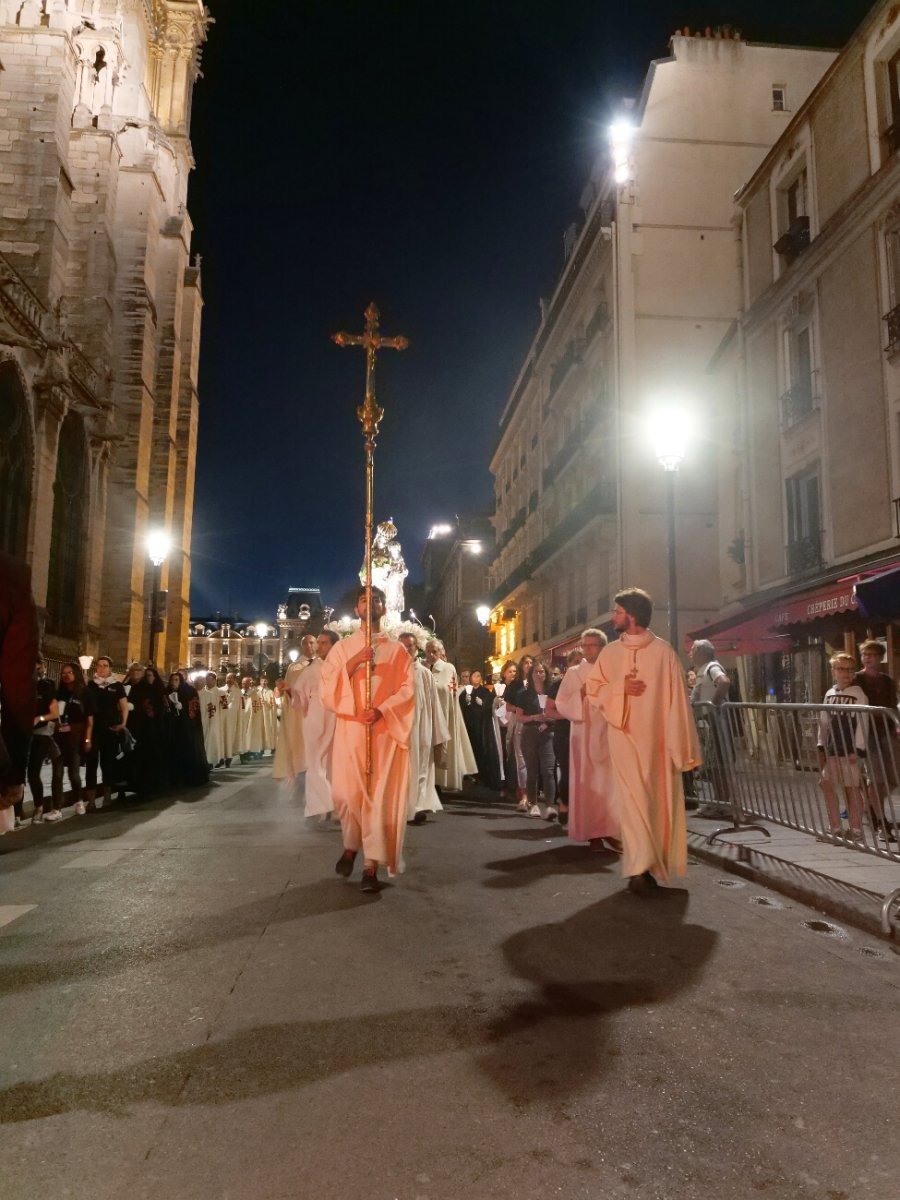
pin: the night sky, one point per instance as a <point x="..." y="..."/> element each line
<point x="425" y="156"/>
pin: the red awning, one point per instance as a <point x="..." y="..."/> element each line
<point x="765" y="630"/>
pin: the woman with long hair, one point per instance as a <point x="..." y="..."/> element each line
<point x="74" y="731"/>
<point x="516" y="771"/>
<point x="537" y="742"/>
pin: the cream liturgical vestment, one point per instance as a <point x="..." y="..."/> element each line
<point x="290" y="758"/>
<point x="429" y="730"/>
<point x="592" y="811"/>
<point x="253" y="715"/>
<point x="212" y="721"/>
<point x="232" y="727"/>
<point x="460" y="759"/>
<point x="270" y="719"/>
<point x="317" y="736"/>
<point x="652" y="739"/>
<point x="373" y="823"/>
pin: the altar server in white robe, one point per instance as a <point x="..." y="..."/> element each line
<point x="270" y="720"/>
<point x="592" y="811"/>
<point x="638" y="685"/>
<point x="459" y="760"/>
<point x="232" y="726"/>
<point x="290" y="757"/>
<point x="318" y="728"/>
<point x="253" y="717"/>
<point x="428" y="740"/>
<point x="212" y="720"/>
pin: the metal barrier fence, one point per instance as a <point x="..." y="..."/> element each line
<point x="831" y="770"/>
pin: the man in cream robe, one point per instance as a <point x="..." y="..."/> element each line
<point x="253" y="718"/>
<point x="318" y="728"/>
<point x="270" y="717"/>
<point x="429" y="738"/>
<point x="212" y="720"/>
<point x="290" y="756"/>
<point x="638" y="685"/>
<point x="230" y="710"/>
<point x="373" y="816"/>
<point x="592" y="812"/>
<point x="459" y="759"/>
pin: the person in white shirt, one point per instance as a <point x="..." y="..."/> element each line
<point x="712" y="687"/>
<point x="842" y="742"/>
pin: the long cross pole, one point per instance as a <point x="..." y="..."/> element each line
<point x="370" y="416"/>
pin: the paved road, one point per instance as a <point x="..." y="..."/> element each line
<point x="192" y="1006"/>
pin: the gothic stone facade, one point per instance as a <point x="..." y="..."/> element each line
<point x="99" y="312"/>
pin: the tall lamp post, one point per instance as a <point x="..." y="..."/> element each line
<point x="483" y="615"/>
<point x="261" y="630"/>
<point x="158" y="546"/>
<point x="670" y="435"/>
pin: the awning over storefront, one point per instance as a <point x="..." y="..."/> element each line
<point x="765" y="630"/>
<point x="879" y="595"/>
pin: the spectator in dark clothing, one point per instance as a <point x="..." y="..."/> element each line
<point x="104" y="748"/>
<point x="149" y="721"/>
<point x="561" y="736"/>
<point x="537" y="742"/>
<point x="883" y="749"/>
<point x="18" y="649"/>
<point x="44" y="749"/>
<point x="477" y="705"/>
<point x="188" y="752"/>
<point x="76" y="725"/>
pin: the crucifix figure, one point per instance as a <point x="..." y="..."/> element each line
<point x="370" y="416"/>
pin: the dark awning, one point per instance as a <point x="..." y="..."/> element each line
<point x="879" y="596"/>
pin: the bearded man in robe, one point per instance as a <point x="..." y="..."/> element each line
<point x="592" y="814"/>
<point x="290" y="755"/>
<point x="638" y="685"/>
<point x="212" y="720"/>
<point x="318" y="728"/>
<point x="232" y="728"/>
<point x="372" y="811"/>
<point x="428" y="740"/>
<point x="459" y="760"/>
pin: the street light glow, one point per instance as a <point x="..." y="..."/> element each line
<point x="621" y="139"/>
<point x="293" y="654"/>
<point x="440" y="531"/>
<point x="474" y="547"/>
<point x="670" y="429"/>
<point x="158" y="546"/>
<point x="483" y="613"/>
<point x="261" y="630"/>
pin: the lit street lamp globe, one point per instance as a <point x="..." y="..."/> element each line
<point x="158" y="546"/>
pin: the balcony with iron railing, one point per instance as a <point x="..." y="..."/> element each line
<point x="804" y="554"/>
<point x="892" y="321"/>
<point x="799" y="400"/>
<point x="794" y="240"/>
<point x="583" y="429"/>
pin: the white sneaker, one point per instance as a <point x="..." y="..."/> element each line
<point x="79" y="808"/>
<point x="53" y="815"/>
<point x="535" y="811"/>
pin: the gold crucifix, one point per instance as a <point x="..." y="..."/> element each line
<point x="370" y="416"/>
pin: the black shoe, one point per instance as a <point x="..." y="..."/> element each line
<point x="419" y="819"/>
<point x="642" y="885"/>
<point x="370" y="880"/>
<point x="344" y="865"/>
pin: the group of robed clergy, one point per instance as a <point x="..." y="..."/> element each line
<point x="632" y="737"/>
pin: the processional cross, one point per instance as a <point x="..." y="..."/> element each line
<point x="370" y="416"/>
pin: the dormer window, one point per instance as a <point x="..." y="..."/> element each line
<point x="779" y="98"/>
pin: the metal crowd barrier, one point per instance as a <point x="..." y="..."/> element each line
<point x="761" y="762"/>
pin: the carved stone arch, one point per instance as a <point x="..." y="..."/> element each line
<point x="16" y="459"/>
<point x="68" y="550"/>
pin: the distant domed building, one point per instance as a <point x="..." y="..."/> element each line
<point x="224" y="644"/>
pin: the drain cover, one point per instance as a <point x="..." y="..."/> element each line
<point x="765" y="902"/>
<point x="871" y="952"/>
<point x="735" y="883"/>
<point x="825" y="927"/>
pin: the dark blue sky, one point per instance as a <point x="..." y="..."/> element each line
<point x="428" y="157"/>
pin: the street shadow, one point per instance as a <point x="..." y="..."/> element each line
<point x="190" y="933"/>
<point x="565" y="859"/>
<point x="532" y="832"/>
<point x="621" y="953"/>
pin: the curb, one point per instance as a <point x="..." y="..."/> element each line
<point x="851" y="905"/>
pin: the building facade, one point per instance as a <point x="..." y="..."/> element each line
<point x="455" y="562"/>
<point x="99" y="313"/>
<point x="649" y="287"/>
<point x="811" y="374"/>
<point x="224" y="644"/>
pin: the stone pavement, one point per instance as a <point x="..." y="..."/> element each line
<point x="193" y="1007"/>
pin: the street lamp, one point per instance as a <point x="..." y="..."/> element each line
<point x="293" y="654"/>
<point x="261" y="630"/>
<point x="670" y="434"/>
<point x="158" y="545"/>
<point x="483" y="616"/>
